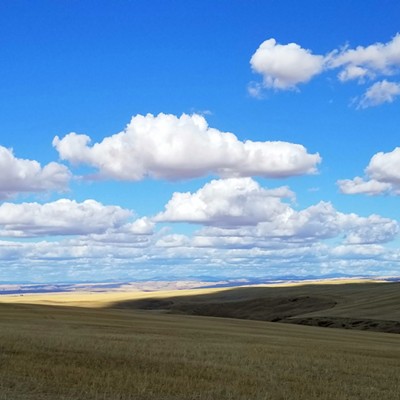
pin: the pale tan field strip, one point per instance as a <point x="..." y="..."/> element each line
<point x="142" y="346"/>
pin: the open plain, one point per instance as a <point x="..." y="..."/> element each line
<point x="144" y="346"/>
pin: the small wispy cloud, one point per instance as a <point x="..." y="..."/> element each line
<point x="379" y="93"/>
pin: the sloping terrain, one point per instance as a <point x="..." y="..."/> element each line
<point x="65" y="353"/>
<point x="367" y="306"/>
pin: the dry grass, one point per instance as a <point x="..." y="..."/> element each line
<point x="77" y="353"/>
<point x="98" y="299"/>
<point x="366" y="306"/>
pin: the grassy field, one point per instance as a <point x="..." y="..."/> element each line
<point x="364" y="305"/>
<point x="52" y="352"/>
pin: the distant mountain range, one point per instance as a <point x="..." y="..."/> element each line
<point x="155" y="285"/>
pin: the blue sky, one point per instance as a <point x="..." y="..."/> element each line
<point x="188" y="139"/>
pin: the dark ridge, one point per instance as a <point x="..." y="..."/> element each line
<point x="261" y="309"/>
<point x="346" y="306"/>
<point x="348" y="323"/>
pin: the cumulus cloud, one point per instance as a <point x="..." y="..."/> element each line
<point x="285" y="66"/>
<point x="135" y="234"/>
<point x="323" y="221"/>
<point x="227" y="202"/>
<point x="385" y="167"/>
<point x="142" y="226"/>
<point x="375" y="59"/>
<point x="369" y="230"/>
<point x="173" y="240"/>
<point x="27" y="176"/>
<point x="61" y="217"/>
<point x="383" y="176"/>
<point x="320" y="221"/>
<point x="359" y="185"/>
<point x="168" y="147"/>
<point x="249" y="250"/>
<point x="238" y="212"/>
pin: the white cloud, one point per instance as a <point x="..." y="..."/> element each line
<point x="375" y="59"/>
<point x="360" y="186"/>
<point x="135" y="234"/>
<point x="353" y="72"/>
<point x="383" y="176"/>
<point x="313" y="223"/>
<point x="27" y="176"/>
<point x="369" y="230"/>
<point x="227" y="202"/>
<point x="255" y="89"/>
<point x="62" y="217"/>
<point x="245" y="224"/>
<point x="322" y="221"/>
<point x="366" y="250"/>
<point x="385" y="167"/>
<point x="240" y="212"/>
<point x="168" y="147"/>
<point x="285" y="66"/>
<point x="289" y="226"/>
<point x="305" y="228"/>
<point x="379" y="93"/>
<point x="142" y="226"/>
<point x="173" y="240"/>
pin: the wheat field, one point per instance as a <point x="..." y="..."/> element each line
<point x="52" y="352"/>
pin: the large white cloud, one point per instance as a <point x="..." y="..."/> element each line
<point x="23" y="176"/>
<point x="311" y="225"/>
<point x="383" y="176"/>
<point x="61" y="217"/>
<point x="285" y="66"/>
<point x="168" y="147"/>
<point x="241" y="208"/>
<point x="227" y="202"/>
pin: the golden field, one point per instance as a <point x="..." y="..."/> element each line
<point x="145" y="346"/>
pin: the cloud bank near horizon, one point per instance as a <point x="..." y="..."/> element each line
<point x="241" y="224"/>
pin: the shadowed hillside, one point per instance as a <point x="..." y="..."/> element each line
<point x="366" y="306"/>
